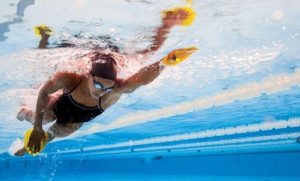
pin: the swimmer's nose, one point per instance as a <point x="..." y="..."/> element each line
<point x="98" y="94"/>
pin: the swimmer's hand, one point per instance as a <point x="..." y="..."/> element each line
<point x="43" y="31"/>
<point x="184" y="16"/>
<point x="177" y="56"/>
<point x="35" y="143"/>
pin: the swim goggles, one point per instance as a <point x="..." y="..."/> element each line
<point x="100" y="86"/>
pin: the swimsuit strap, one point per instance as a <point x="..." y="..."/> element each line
<point x="75" y="87"/>
<point x="99" y="105"/>
<point x="69" y="94"/>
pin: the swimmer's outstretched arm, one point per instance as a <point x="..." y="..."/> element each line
<point x="147" y="74"/>
<point x="143" y="77"/>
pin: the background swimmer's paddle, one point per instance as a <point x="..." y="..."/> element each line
<point x="186" y="11"/>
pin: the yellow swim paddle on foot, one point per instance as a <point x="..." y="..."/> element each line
<point x="177" y="56"/>
<point x="26" y="141"/>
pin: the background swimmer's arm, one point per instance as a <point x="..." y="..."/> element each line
<point x="44" y="41"/>
<point x="159" y="38"/>
<point x="62" y="80"/>
<point x="169" y="20"/>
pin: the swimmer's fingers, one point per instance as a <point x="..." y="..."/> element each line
<point x="47" y="30"/>
<point x="33" y="149"/>
<point x="30" y="146"/>
<point x="29" y="143"/>
<point x="43" y="30"/>
<point x="34" y="144"/>
<point x="37" y="148"/>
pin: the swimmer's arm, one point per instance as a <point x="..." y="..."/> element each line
<point x="147" y="74"/>
<point x="143" y="77"/>
<point x="61" y="80"/>
<point x="49" y="87"/>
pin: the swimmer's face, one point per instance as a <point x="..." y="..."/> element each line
<point x="100" y="86"/>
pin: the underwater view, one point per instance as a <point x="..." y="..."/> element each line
<point x="150" y="90"/>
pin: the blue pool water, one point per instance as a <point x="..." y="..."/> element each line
<point x="230" y="112"/>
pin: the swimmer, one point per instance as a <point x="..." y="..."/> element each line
<point x="86" y="96"/>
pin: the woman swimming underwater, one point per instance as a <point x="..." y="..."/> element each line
<point x="86" y="96"/>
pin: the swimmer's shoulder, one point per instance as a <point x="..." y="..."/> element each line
<point x="66" y="79"/>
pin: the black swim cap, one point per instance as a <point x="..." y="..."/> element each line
<point x="104" y="66"/>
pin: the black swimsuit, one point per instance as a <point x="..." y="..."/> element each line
<point x="67" y="110"/>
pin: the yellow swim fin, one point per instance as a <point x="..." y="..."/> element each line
<point x="179" y="55"/>
<point x="42" y="28"/>
<point x="26" y="141"/>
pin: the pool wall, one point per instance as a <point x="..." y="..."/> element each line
<point x="261" y="165"/>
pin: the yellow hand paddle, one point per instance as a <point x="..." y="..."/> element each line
<point x="188" y="11"/>
<point x="46" y="29"/>
<point x="26" y="141"/>
<point x="177" y="56"/>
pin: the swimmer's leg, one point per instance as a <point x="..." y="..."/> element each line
<point x="28" y="115"/>
<point x="58" y="130"/>
<point x="25" y="114"/>
<point x="20" y="152"/>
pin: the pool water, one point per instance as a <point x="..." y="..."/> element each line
<point x="230" y="112"/>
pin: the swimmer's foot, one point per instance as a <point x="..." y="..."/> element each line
<point x="21" y="152"/>
<point x="25" y="114"/>
<point x="21" y="114"/>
